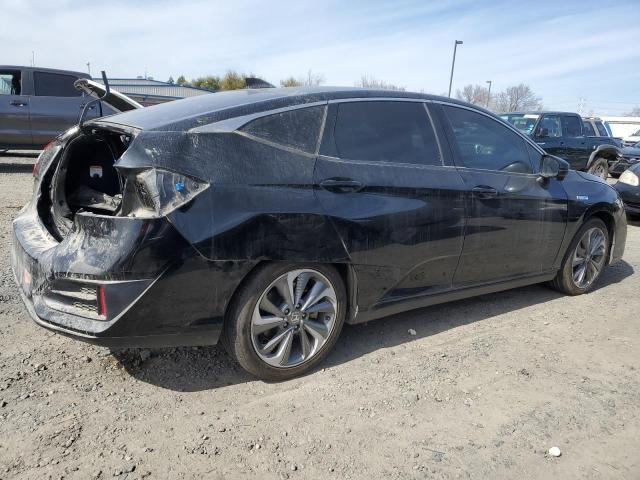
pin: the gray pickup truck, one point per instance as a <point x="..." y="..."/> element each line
<point x="562" y="134"/>
<point x="36" y="104"/>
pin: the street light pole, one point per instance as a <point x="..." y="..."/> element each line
<point x="489" y="93"/>
<point x="453" y="63"/>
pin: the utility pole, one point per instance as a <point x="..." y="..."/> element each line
<point x="89" y="68"/>
<point x="33" y="58"/>
<point x="453" y="63"/>
<point x="489" y="93"/>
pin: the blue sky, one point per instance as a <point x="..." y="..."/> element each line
<point x="569" y="52"/>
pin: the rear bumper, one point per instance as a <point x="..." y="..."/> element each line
<point x="154" y="287"/>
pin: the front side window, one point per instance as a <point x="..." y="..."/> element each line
<point x="386" y="131"/>
<point x="571" y="126"/>
<point x="601" y="130"/>
<point x="549" y="126"/>
<point x="10" y="82"/>
<point x="54" y="85"/>
<point x="588" y="129"/>
<point x="298" y="128"/>
<point x="486" y="144"/>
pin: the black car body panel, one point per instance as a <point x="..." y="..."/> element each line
<point x="403" y="235"/>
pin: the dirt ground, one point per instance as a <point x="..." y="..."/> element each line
<point x="483" y="390"/>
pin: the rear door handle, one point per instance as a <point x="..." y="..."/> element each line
<point x="91" y="107"/>
<point x="18" y="103"/>
<point x="484" y="192"/>
<point x="341" y="185"/>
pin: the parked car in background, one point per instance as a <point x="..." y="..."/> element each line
<point x="622" y="127"/>
<point x="630" y="156"/>
<point x="563" y="134"/>
<point x="628" y="186"/>
<point x="632" y="139"/>
<point x="37" y="104"/>
<point x="268" y="218"/>
<point x="594" y="127"/>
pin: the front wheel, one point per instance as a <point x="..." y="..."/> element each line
<point x="285" y="319"/>
<point x="599" y="168"/>
<point x="585" y="259"/>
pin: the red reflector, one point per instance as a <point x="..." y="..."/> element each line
<point x="36" y="169"/>
<point x="102" y="302"/>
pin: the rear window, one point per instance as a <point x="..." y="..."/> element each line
<point x="299" y="128"/>
<point x="54" y="85"/>
<point x="571" y="126"/>
<point x="398" y="132"/>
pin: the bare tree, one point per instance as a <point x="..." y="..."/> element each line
<point x="310" y="80"/>
<point x="367" y="81"/>
<point x="516" y="98"/>
<point x="475" y="94"/>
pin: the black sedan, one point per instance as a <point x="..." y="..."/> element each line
<point x="628" y="187"/>
<point x="268" y="218"/>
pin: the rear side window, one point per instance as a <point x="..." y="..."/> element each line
<point x="486" y="144"/>
<point x="398" y="132"/>
<point x="299" y="128"/>
<point x="54" y="85"/>
<point x="571" y="126"/>
<point x="588" y="129"/>
<point x="601" y="130"/>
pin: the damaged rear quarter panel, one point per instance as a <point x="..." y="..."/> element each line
<point x="260" y="204"/>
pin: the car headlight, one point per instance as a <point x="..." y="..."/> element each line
<point x="629" y="178"/>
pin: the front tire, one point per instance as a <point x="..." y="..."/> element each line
<point x="285" y="319"/>
<point x="584" y="260"/>
<point x="599" y="168"/>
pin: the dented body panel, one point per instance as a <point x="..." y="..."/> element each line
<point x="206" y="196"/>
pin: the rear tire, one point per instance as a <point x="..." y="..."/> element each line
<point x="584" y="260"/>
<point x="285" y="319"/>
<point x="599" y="168"/>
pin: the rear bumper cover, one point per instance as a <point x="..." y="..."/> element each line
<point x="158" y="290"/>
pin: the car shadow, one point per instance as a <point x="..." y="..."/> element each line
<point x="191" y="369"/>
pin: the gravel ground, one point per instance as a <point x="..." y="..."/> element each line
<point x="482" y="390"/>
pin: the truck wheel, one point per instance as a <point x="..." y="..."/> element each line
<point x="599" y="168"/>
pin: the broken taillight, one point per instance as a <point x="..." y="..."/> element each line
<point x="158" y="192"/>
<point x="49" y="150"/>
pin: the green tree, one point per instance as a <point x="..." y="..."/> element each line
<point x="232" y="80"/>
<point x="181" y="80"/>
<point x="210" y="82"/>
<point x="170" y="79"/>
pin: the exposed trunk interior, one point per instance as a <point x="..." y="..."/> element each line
<point x="85" y="180"/>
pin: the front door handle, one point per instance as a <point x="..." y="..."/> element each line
<point x="341" y="185"/>
<point x="91" y="107"/>
<point x="18" y="103"/>
<point x="484" y="192"/>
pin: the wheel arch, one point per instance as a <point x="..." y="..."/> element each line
<point x="608" y="152"/>
<point x="608" y="219"/>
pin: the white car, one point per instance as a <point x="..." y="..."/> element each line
<point x="632" y="139"/>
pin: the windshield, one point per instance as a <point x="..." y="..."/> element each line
<point x="522" y="121"/>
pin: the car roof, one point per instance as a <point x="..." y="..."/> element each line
<point x="543" y="112"/>
<point x="192" y="112"/>
<point x="42" y="69"/>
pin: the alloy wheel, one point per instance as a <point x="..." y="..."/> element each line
<point x="293" y="318"/>
<point x="589" y="257"/>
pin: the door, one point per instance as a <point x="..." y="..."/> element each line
<point x="397" y="208"/>
<point x="515" y="223"/>
<point x="574" y="141"/>
<point x="14" y="110"/>
<point x="548" y="134"/>
<point x="55" y="106"/>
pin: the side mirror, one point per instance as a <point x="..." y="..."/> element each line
<point x="553" y="167"/>
<point x="543" y="132"/>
